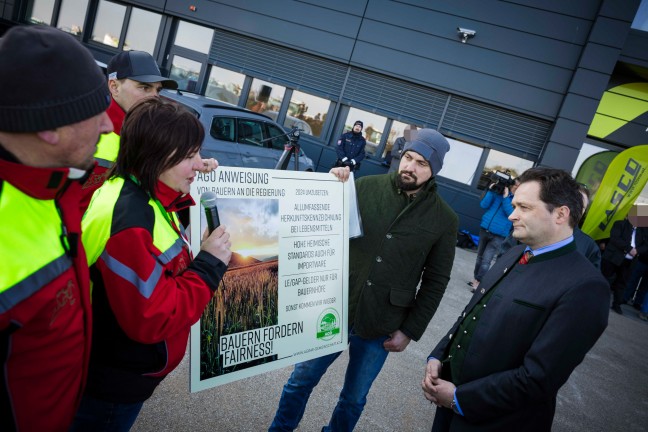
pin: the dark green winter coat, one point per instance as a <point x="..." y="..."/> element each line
<point x="405" y="241"/>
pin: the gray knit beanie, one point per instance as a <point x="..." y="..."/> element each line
<point x="432" y="146"/>
<point x="49" y="80"/>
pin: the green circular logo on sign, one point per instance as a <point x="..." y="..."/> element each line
<point x="328" y="324"/>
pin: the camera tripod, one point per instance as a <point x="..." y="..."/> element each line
<point x="291" y="148"/>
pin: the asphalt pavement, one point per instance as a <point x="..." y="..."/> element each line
<point x="607" y="392"/>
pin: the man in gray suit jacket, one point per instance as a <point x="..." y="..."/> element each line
<point x="529" y="324"/>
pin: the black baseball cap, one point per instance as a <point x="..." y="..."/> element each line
<point x="138" y="66"/>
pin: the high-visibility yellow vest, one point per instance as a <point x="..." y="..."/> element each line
<point x="107" y="150"/>
<point x="97" y="224"/>
<point x="31" y="250"/>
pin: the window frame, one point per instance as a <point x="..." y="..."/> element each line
<point x="87" y="37"/>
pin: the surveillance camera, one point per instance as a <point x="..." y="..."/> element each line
<point x="466" y="31"/>
<point x="465" y="34"/>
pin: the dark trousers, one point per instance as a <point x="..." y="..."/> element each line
<point x="618" y="277"/>
<point x="442" y="420"/>
<point x="634" y="291"/>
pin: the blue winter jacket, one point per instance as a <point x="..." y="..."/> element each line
<point x="498" y="210"/>
<point x="352" y="146"/>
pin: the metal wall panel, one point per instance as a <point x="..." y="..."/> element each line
<point x="495" y="127"/>
<point x="634" y="50"/>
<point x="312" y="29"/>
<point x="398" y="99"/>
<point x="455" y="79"/>
<point x="156" y="5"/>
<point x="610" y="32"/>
<point x="277" y="64"/>
<point x="558" y="49"/>
<point x="529" y="19"/>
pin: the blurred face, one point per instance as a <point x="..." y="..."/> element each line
<point x="179" y="177"/>
<point x="78" y="141"/>
<point x="413" y="172"/>
<point x="357" y="128"/>
<point x="638" y="215"/>
<point x="127" y="92"/>
<point x="533" y="224"/>
<point x="514" y="187"/>
<point x="410" y="134"/>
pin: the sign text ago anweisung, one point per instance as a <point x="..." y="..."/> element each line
<point x="284" y="297"/>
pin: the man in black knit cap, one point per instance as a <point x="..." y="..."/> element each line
<point x="350" y="147"/>
<point x="52" y="112"/>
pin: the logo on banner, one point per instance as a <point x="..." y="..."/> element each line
<point x="328" y="324"/>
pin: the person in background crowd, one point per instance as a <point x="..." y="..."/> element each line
<point x="49" y="130"/>
<point x="147" y="288"/>
<point x="584" y="243"/>
<point x="635" y="292"/>
<point x="494" y="228"/>
<point x="409" y="237"/>
<point x="535" y="316"/>
<point x="350" y="148"/>
<point x="408" y="134"/>
<point x="626" y="243"/>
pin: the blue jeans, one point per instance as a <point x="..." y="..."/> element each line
<point x="366" y="359"/>
<point x="489" y="246"/>
<point x="95" y="415"/>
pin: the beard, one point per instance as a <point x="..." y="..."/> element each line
<point x="407" y="184"/>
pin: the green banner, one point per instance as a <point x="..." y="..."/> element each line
<point x="591" y="172"/>
<point x="624" y="180"/>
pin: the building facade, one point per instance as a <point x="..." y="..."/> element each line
<point x="512" y="84"/>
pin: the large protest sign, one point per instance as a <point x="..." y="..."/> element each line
<point x="284" y="297"/>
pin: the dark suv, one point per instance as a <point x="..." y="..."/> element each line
<point x="236" y="136"/>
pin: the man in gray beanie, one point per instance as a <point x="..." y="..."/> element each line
<point x="409" y="236"/>
<point x="52" y="112"/>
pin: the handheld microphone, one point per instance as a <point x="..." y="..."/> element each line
<point x="208" y="201"/>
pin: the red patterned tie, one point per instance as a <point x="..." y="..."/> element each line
<point x="526" y="256"/>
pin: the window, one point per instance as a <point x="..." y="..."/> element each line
<point x="307" y="112"/>
<point x="461" y="162"/>
<point x="186" y="72"/>
<point x="265" y="96"/>
<point x="223" y="128"/>
<point x="72" y="15"/>
<point x="143" y="28"/>
<point x="250" y="132"/>
<point x="108" y="23"/>
<point x="397" y="130"/>
<point x="502" y="162"/>
<point x="374" y="125"/>
<point x="224" y="85"/>
<point x="41" y="11"/>
<point x="194" y="37"/>
<point x="279" y="137"/>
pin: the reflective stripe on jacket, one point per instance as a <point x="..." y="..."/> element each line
<point x="45" y="321"/>
<point x="147" y="291"/>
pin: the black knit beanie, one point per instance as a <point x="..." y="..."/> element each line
<point x="49" y="80"/>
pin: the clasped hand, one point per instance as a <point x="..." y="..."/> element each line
<point x="439" y="392"/>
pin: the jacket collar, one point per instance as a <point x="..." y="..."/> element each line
<point x="39" y="183"/>
<point x="171" y="200"/>
<point x="117" y="115"/>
